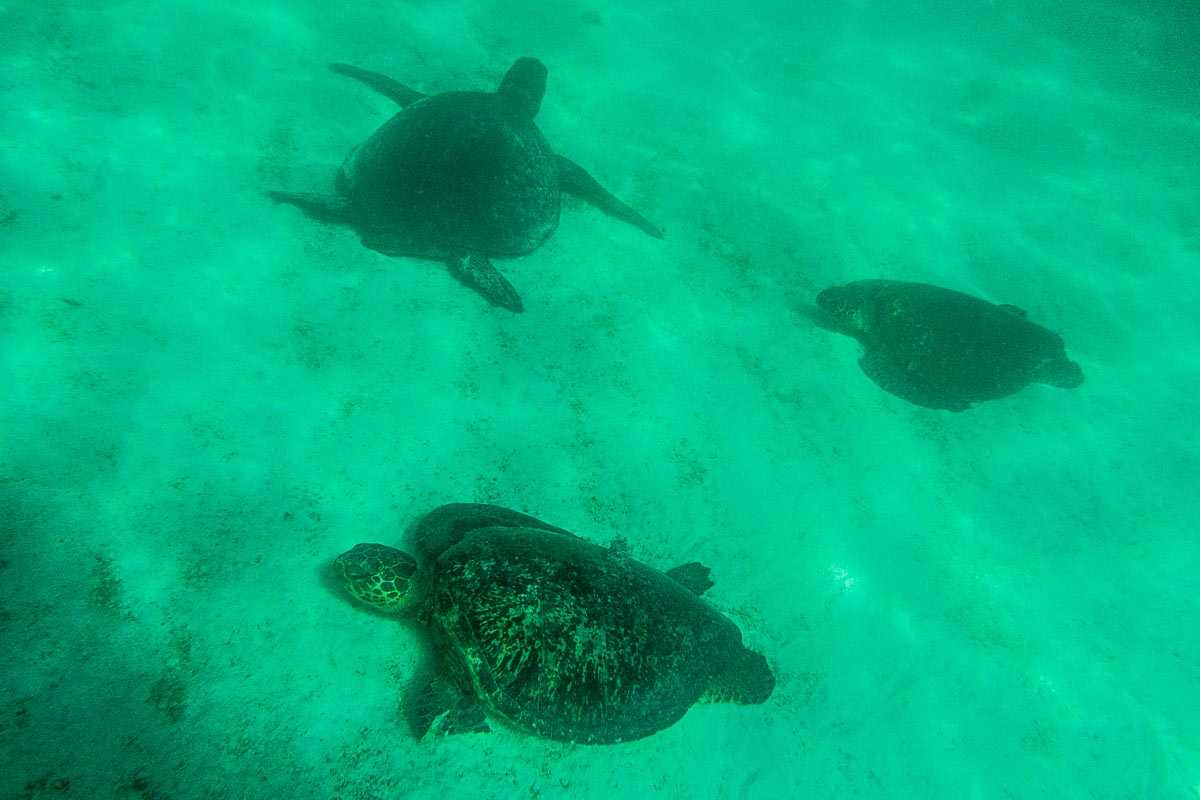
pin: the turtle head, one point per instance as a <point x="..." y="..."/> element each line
<point x="1059" y="371"/>
<point x="839" y="302"/>
<point x="524" y="85"/>
<point x="847" y="309"/>
<point x="383" y="577"/>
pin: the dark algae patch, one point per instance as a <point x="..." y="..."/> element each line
<point x="106" y="589"/>
<point x="45" y="786"/>
<point x="169" y="694"/>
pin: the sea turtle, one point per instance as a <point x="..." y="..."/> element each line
<point x="943" y="349"/>
<point x="539" y="629"/>
<point x="459" y="177"/>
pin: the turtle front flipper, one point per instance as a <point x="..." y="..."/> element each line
<point x="386" y="86"/>
<point x="575" y="180"/>
<point x="324" y="207"/>
<point x="434" y="705"/>
<point x="477" y="272"/>
<point x="894" y="379"/>
<point x="445" y="526"/>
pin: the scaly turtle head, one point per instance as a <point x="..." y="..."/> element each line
<point x="524" y="85"/>
<point x="383" y="577"/>
<point x="849" y="309"/>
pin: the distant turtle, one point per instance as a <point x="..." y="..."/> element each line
<point x="943" y="349"/>
<point x="539" y="629"/>
<point x="459" y="177"/>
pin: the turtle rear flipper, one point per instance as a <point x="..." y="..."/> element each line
<point x="435" y="706"/>
<point x="325" y="207"/>
<point x="477" y="272"/>
<point x="575" y="180"/>
<point x="693" y="576"/>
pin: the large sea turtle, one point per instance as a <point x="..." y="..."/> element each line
<point x="539" y="629"/>
<point x="943" y="349"/>
<point x="459" y="177"/>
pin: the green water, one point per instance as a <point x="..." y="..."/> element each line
<point x="207" y="396"/>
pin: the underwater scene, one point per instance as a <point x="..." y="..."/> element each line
<point x="599" y="400"/>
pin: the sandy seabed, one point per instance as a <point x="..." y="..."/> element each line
<point x="208" y="396"/>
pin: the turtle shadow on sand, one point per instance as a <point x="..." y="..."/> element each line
<point x="459" y="177"/>
<point x="537" y="629"/>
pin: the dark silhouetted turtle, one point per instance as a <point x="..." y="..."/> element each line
<point x="459" y="177"/>
<point x="542" y="630"/>
<point x="943" y="349"/>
